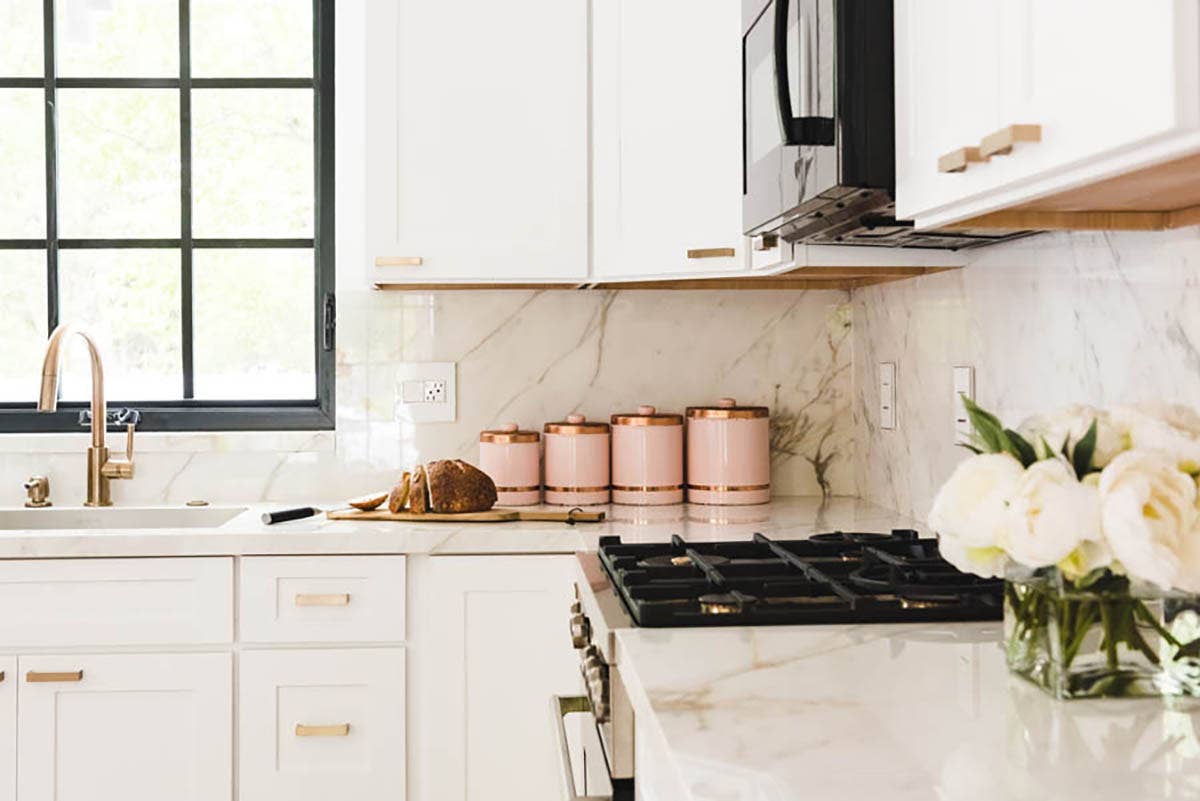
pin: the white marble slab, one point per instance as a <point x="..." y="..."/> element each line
<point x="897" y="712"/>
<point x="246" y="534"/>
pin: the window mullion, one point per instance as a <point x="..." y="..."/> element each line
<point x="185" y="185"/>
<point x="49" y="73"/>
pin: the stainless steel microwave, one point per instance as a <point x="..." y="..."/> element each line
<point x="819" y="127"/>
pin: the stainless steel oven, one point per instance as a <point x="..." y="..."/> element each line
<point x="819" y="127"/>
<point x="595" y="729"/>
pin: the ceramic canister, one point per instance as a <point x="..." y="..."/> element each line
<point x="576" y="462"/>
<point x="647" y="458"/>
<point x="512" y="458"/>
<point x="728" y="454"/>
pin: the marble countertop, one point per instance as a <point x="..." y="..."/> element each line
<point x="246" y="534"/>
<point x="917" y="712"/>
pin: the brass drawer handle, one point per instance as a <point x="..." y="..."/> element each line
<point x="711" y="253"/>
<point x="1" y="675"/>
<point x="958" y="160"/>
<point x="332" y="730"/>
<point x="318" y="599"/>
<point x="37" y="677"/>
<point x="1001" y="142"/>
<point x="398" y="261"/>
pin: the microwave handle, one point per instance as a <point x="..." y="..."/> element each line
<point x="806" y="130"/>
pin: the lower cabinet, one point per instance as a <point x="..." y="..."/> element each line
<point x="139" y="727"/>
<point x="490" y="647"/>
<point x="8" y="728"/>
<point x="321" y="724"/>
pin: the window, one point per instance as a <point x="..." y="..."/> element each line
<point x="167" y="174"/>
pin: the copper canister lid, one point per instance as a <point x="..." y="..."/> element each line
<point x="727" y="408"/>
<point x="647" y="416"/>
<point x="509" y="432"/>
<point x="576" y="424"/>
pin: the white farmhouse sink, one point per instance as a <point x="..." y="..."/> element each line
<point x="118" y="517"/>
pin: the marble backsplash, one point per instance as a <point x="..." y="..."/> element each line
<point x="524" y="356"/>
<point x="1098" y="318"/>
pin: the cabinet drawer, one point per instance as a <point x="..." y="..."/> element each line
<point x="8" y="728"/>
<point x="322" y="599"/>
<point x="116" y="601"/>
<point x="322" y="724"/>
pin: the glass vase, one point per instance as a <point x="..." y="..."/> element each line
<point x="1101" y="636"/>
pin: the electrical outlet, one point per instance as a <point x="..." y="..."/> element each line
<point x="964" y="386"/>
<point x="435" y="391"/>
<point x="887" y="395"/>
<point x="425" y="392"/>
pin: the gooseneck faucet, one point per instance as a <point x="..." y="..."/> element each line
<point x="101" y="470"/>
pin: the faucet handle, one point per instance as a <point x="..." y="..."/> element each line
<point x="38" y="490"/>
<point x="121" y="468"/>
<point x="129" y="441"/>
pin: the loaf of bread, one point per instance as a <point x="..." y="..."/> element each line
<point x="455" y="486"/>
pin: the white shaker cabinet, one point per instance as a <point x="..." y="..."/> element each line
<point x="477" y="141"/>
<point x="139" y="727"/>
<point x="8" y="728"/>
<point x="1096" y="88"/>
<point x="321" y="724"/>
<point x="667" y="138"/>
<point x="489" y="647"/>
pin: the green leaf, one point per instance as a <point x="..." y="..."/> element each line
<point x="1024" y="451"/>
<point x="1085" y="449"/>
<point x="987" y="427"/>
<point x="1191" y="649"/>
<point x="970" y="447"/>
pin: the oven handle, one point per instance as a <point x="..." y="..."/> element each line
<point x="796" y="130"/>
<point x="560" y="707"/>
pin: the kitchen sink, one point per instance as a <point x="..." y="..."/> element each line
<point x="118" y="517"/>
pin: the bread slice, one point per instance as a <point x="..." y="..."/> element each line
<point x="418" y="496"/>
<point x="455" y="486"/>
<point x="368" y="502"/>
<point x="398" y="497"/>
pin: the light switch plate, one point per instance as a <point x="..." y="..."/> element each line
<point x="426" y="392"/>
<point x="887" y="395"/>
<point x="964" y="384"/>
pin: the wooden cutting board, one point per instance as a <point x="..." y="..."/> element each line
<point x="497" y="515"/>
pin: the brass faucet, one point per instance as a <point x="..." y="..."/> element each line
<point x="101" y="470"/>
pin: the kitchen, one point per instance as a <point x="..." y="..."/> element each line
<point x="318" y="245"/>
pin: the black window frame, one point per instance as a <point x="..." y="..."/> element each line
<point x="190" y="414"/>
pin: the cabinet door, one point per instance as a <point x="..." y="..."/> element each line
<point x="949" y="72"/>
<point x="477" y="140"/>
<point x="490" y="648"/>
<point x="667" y="140"/>
<point x="8" y="728"/>
<point x="321" y="725"/>
<point x="138" y="727"/>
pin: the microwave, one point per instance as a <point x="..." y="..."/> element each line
<point x="819" y="127"/>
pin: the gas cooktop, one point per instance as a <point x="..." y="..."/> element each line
<point x="840" y="577"/>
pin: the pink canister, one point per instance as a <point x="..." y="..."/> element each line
<point x="576" y="462"/>
<point x="512" y="458"/>
<point x="728" y="454"/>
<point x="647" y="458"/>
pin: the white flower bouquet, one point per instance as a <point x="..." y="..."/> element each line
<point x="1092" y="517"/>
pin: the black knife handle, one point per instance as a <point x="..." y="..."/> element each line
<point x="284" y="515"/>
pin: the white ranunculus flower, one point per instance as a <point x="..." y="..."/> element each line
<point x="1172" y="429"/>
<point x="971" y="505"/>
<point x="1050" y="515"/>
<point x="1148" y="513"/>
<point x="1074" y="421"/>
<point x="986" y="562"/>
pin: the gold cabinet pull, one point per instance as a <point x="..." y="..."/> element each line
<point x="958" y="160"/>
<point x="1" y="675"/>
<point x="711" y="253"/>
<point x="1001" y="142"/>
<point x="323" y="599"/>
<point x="398" y="261"/>
<point x="38" y="677"/>
<point x="330" y="730"/>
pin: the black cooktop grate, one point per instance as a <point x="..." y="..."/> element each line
<point x="840" y="577"/>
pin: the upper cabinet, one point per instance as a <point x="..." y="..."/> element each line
<point x="1044" y="107"/>
<point x="477" y="141"/>
<point x="667" y="141"/>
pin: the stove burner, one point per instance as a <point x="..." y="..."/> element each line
<point x="681" y="560"/>
<point x="837" y="577"/>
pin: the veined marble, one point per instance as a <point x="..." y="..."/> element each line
<point x="246" y="534"/>
<point x="899" y="712"/>
<point x="1098" y="318"/>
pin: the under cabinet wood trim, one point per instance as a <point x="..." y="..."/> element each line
<point x="1015" y="220"/>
